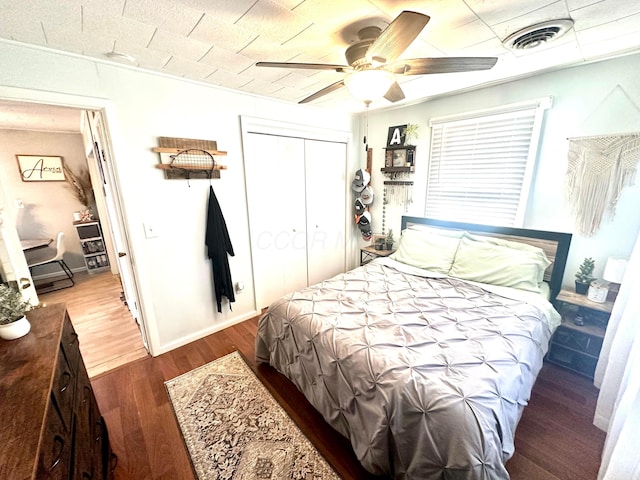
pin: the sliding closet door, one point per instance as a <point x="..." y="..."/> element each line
<point x="326" y="164"/>
<point x="274" y="171"/>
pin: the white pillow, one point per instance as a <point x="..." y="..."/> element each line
<point x="425" y="249"/>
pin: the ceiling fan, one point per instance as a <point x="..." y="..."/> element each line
<point x="373" y="61"/>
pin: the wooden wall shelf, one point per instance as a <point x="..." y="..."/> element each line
<point x="397" y="169"/>
<point x="401" y="147"/>
<point x="399" y="159"/>
<point x="168" y="166"/>
<point x="172" y="150"/>
<point x="399" y="182"/>
<point x="189" y="167"/>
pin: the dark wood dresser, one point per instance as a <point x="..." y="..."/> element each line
<point x="50" y="424"/>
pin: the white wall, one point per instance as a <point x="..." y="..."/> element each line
<point x="173" y="272"/>
<point x="601" y="98"/>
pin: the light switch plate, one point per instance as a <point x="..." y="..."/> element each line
<point x="150" y="230"/>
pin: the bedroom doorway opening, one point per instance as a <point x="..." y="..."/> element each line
<point x="98" y="155"/>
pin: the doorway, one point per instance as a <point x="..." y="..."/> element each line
<point x="113" y="291"/>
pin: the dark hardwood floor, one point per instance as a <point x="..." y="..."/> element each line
<point x="555" y="438"/>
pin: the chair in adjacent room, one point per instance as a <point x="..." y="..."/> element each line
<point x="36" y="260"/>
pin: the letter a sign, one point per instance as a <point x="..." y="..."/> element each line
<point x="395" y="137"/>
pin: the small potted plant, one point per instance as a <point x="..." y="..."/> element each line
<point x="389" y="240"/>
<point x="13" y="323"/>
<point x="411" y="134"/>
<point x="584" y="276"/>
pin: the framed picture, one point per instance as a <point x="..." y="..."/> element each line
<point x="38" y="168"/>
<point x="399" y="157"/>
<point x="388" y="158"/>
<point x="395" y="136"/>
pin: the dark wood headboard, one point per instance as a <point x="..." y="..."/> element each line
<point x="555" y="244"/>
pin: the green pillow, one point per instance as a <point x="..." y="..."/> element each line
<point x="497" y="265"/>
<point x="426" y="249"/>
<point x="538" y="252"/>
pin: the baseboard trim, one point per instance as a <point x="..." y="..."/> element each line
<point x="205" y="332"/>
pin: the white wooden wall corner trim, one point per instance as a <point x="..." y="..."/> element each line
<point x="297" y="202"/>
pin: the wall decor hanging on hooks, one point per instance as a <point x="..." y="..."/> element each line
<point x="189" y="158"/>
<point x="598" y="169"/>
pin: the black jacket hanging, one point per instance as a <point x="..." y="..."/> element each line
<point x="218" y="246"/>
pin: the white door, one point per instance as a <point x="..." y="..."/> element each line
<point x="274" y="173"/>
<point x="102" y="154"/>
<point x="326" y="164"/>
<point x="290" y="181"/>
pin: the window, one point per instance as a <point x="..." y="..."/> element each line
<point x="481" y="164"/>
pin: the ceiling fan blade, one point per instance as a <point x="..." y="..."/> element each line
<point x="395" y="93"/>
<point x="324" y="91"/>
<point x="422" y="66"/>
<point x="310" y="66"/>
<point x="395" y="39"/>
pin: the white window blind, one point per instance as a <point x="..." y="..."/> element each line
<point x="480" y="167"/>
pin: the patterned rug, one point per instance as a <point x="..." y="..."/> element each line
<point x="235" y="429"/>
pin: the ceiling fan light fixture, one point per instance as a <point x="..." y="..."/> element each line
<point x="369" y="85"/>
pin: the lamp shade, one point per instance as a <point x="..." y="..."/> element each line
<point x="614" y="269"/>
<point x="369" y="85"/>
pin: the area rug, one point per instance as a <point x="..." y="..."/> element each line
<point x="235" y="429"/>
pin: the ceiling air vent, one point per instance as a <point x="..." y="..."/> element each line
<point x="537" y="35"/>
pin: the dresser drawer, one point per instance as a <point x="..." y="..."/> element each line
<point x="101" y="450"/>
<point x="83" y="444"/>
<point x="70" y="345"/>
<point x="63" y="390"/>
<point x="54" y="461"/>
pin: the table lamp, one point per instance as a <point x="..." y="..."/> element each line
<point x="614" y="273"/>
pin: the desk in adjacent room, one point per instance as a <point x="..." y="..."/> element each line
<point x="34" y="243"/>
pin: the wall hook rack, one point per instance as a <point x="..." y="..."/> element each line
<point x="187" y="158"/>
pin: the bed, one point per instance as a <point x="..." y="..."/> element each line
<point x="426" y="359"/>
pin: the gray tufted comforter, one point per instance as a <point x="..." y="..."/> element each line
<point x="426" y="376"/>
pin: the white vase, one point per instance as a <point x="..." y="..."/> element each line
<point x="16" y="329"/>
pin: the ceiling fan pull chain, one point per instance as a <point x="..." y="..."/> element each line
<point x="366" y="126"/>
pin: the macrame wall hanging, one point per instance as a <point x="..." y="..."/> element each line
<point x="599" y="167"/>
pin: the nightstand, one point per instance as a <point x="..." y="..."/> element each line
<point x="577" y="347"/>
<point x="369" y="253"/>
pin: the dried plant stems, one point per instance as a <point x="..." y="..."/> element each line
<point x="80" y="185"/>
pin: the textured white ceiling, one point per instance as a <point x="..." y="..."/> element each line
<point x="34" y="116"/>
<point x="219" y="41"/>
